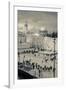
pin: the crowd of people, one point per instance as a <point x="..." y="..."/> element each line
<point x="28" y="66"/>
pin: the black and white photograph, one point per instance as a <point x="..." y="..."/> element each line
<point x="37" y="44"/>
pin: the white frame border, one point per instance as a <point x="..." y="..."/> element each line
<point x="13" y="82"/>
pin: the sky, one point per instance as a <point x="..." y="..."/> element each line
<point x="37" y="20"/>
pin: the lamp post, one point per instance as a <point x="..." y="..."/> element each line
<point x="54" y="60"/>
<point x="18" y="57"/>
<point x="54" y="36"/>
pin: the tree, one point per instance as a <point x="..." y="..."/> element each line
<point x="54" y="35"/>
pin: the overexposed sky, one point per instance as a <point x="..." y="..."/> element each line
<point x="37" y="20"/>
